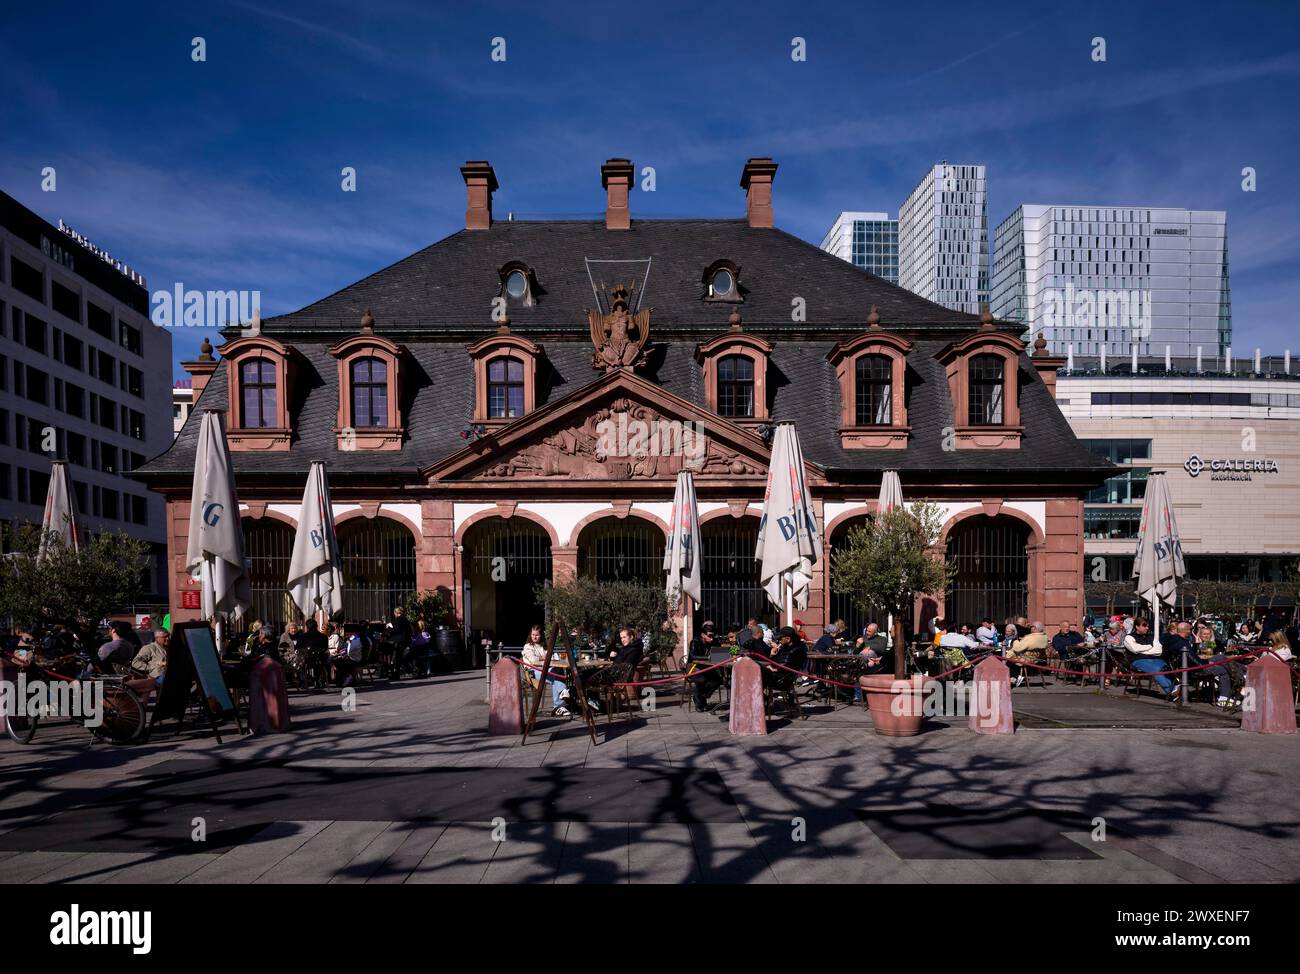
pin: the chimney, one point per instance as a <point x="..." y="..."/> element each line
<point x="756" y="181"/>
<point x="201" y="370"/>
<point x="480" y="184"/>
<point x="616" y="177"/>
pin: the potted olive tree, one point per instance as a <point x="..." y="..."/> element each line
<point x="883" y="566"/>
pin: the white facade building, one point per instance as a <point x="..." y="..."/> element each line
<point x="943" y="238"/>
<point x="1115" y="277"/>
<point x="1228" y="440"/>
<point x="85" y="377"/>
<point x="865" y="240"/>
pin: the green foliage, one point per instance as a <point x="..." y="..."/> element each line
<point x="886" y="563"/>
<point x="429" y="605"/>
<point x="78" y="588"/>
<point x="598" y="609"/>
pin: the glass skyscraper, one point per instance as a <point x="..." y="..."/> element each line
<point x="866" y="240"/>
<point x="1090" y="278"/>
<point x="943" y="238"/>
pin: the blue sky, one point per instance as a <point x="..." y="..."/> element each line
<point x="226" y="174"/>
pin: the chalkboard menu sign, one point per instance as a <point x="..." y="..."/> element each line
<point x="193" y="657"/>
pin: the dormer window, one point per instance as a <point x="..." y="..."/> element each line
<point x="722" y="282"/>
<point x="736" y="386"/>
<point x="260" y="373"/>
<point x="518" y="284"/>
<point x="735" y="373"/>
<point x="873" y="379"/>
<point x="505" y="377"/>
<point x="257" y="394"/>
<point x="984" y="388"/>
<point x="505" y="387"/>
<point x="369" y="392"/>
<point x="369" y="376"/>
<point x="872" y="372"/>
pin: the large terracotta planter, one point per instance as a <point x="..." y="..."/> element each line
<point x="895" y="719"/>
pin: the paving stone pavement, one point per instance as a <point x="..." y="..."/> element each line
<point x="668" y="797"/>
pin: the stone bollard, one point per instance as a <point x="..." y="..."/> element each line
<point x="506" y="701"/>
<point x="268" y="698"/>
<point x="990" y="698"/>
<point x="747" y="716"/>
<point x="1271" y="711"/>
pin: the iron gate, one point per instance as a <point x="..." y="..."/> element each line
<point x="992" y="569"/>
<point x="730" y="588"/>
<point x="378" y="557"/>
<point x="843" y="606"/>
<point x="504" y="561"/>
<point x="627" y="550"/>
<point x="268" y="547"/>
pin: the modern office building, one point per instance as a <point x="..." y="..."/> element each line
<point x="866" y="240"/>
<point x="1115" y="277"/>
<point x="1228" y="439"/>
<point x="84" y="377"/>
<point x="182" y="403"/>
<point x="943" y="238"/>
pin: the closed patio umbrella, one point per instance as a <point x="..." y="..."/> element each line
<point x="891" y="496"/>
<point x="788" y="541"/>
<point x="215" y="548"/>
<point x="60" y="517"/>
<point x="315" y="571"/>
<point x="682" y="559"/>
<point x="1158" y="565"/>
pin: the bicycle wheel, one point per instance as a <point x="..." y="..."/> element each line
<point x="123" y="715"/>
<point x="21" y="729"/>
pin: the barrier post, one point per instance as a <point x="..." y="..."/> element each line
<point x="990" y="698"/>
<point x="747" y="716"/>
<point x="1268" y="707"/>
<point x="506" y="706"/>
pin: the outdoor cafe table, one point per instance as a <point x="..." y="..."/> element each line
<point x="824" y="665"/>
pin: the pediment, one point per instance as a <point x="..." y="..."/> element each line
<point x="622" y="429"/>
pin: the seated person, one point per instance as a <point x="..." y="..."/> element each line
<point x="350" y="656"/>
<point x="312" y="646"/>
<point x="955" y="645"/>
<point x="828" y="640"/>
<point x="872" y="645"/>
<point x="534" y="656"/>
<point x="116" y="655"/>
<point x="1144" y="650"/>
<point x="150" y="665"/>
<point x="790" y="652"/>
<point x="1027" y="649"/>
<point x="628" y="649"/>
<point x="1067" y="640"/>
<point x="697" y="657"/>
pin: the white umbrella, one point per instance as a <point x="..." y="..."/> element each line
<point x="315" y="571"/>
<point x="682" y="556"/>
<point x="891" y="492"/>
<point x="1158" y="565"/>
<point x="215" y="548"/>
<point x="788" y="542"/>
<point x="891" y="496"/>
<point x="60" y="517"/>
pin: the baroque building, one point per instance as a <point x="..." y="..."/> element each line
<point x="511" y="406"/>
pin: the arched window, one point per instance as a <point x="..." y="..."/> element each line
<point x="369" y="392"/>
<point x="736" y="386"/>
<point x="257" y="394"/>
<point x="874" y="390"/>
<point x="505" y="390"/>
<point x="986" y="388"/>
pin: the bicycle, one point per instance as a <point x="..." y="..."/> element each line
<point x="123" y="712"/>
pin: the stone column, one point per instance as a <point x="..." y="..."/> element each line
<point x="1060" y="562"/>
<point x="178" y="532"/>
<point x="564" y="563"/>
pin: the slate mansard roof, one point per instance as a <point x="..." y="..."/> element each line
<point x="439" y="299"/>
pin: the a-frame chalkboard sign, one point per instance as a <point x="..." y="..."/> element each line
<point x="193" y="658"/>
